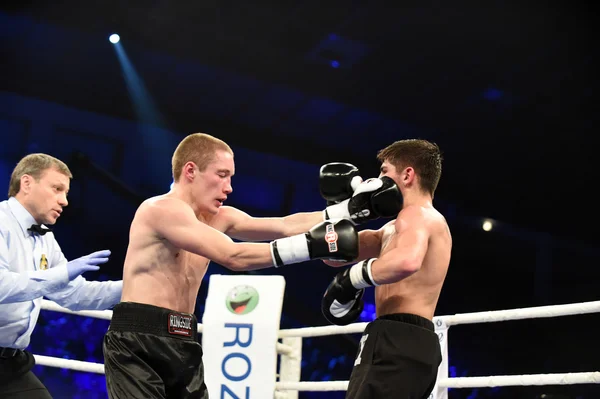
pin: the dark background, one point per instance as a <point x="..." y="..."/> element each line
<point x="506" y="88"/>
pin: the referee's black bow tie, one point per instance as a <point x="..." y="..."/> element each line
<point x="37" y="228"/>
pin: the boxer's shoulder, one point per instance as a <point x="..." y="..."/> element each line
<point x="164" y="200"/>
<point x="162" y="204"/>
<point x="225" y="218"/>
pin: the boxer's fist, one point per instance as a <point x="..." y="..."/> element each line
<point x="331" y="239"/>
<point x="372" y="199"/>
<point x="337" y="181"/>
<point x="342" y="304"/>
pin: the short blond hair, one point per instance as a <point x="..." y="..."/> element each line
<point x="199" y="148"/>
<point x="35" y="165"/>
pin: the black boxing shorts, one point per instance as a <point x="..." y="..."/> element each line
<point x="398" y="357"/>
<point x="153" y="352"/>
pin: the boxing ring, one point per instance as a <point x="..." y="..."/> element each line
<point x="289" y="350"/>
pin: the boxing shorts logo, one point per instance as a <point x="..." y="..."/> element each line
<point x="180" y="324"/>
<point x="331" y="237"/>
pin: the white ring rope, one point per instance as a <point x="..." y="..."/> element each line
<point x="322" y="331"/>
<point x="284" y="349"/>
<point x="523" y="313"/>
<point x="96" y="314"/>
<point x="77" y="365"/>
<point x="463" y="382"/>
<point x="107" y="315"/>
<point x="457" y="382"/>
<point x="465" y="318"/>
<point x="519" y="380"/>
<point x="312" y="386"/>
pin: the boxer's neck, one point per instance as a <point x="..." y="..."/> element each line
<point x="416" y="197"/>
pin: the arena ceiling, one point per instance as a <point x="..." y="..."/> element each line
<point x="506" y="89"/>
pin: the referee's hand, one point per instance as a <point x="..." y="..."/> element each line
<point x="87" y="263"/>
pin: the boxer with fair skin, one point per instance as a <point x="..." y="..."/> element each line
<point x="406" y="260"/>
<point x="151" y="350"/>
<point x="174" y="236"/>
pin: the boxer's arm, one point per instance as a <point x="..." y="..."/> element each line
<point x="242" y="226"/>
<point x="410" y="247"/>
<point x="369" y="247"/>
<point x="172" y="220"/>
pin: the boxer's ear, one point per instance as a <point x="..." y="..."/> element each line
<point x="189" y="170"/>
<point x="408" y="175"/>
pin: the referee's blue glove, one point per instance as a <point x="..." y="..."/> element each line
<point x="87" y="263"/>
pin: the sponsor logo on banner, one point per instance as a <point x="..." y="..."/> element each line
<point x="236" y="342"/>
<point x="242" y="299"/>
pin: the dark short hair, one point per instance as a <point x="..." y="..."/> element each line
<point x="423" y="156"/>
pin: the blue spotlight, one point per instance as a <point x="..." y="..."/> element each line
<point x="335" y="64"/>
<point x="114" y="38"/>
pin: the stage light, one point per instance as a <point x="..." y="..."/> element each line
<point x="114" y="38"/>
<point x="487" y="225"/>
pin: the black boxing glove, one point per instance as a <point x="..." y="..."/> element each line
<point x="332" y="240"/>
<point x="342" y="302"/>
<point x="337" y="181"/>
<point x="373" y="198"/>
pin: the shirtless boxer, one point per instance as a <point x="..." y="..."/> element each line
<point x="406" y="260"/>
<point x="151" y="348"/>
